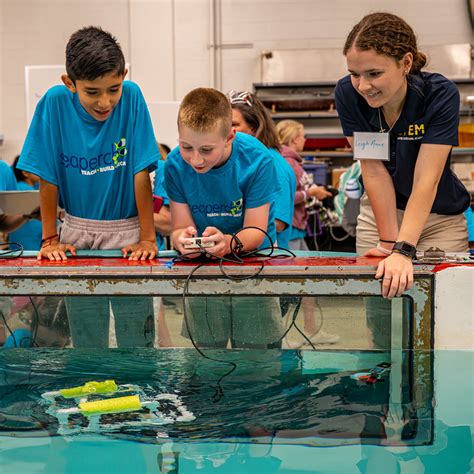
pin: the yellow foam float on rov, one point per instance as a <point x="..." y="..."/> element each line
<point x="89" y="388"/>
<point x="113" y="405"/>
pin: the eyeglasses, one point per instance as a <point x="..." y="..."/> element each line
<point x="240" y="97"/>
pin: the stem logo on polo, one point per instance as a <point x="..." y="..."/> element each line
<point x="414" y="131"/>
<point x="101" y="163"/>
<point x="234" y="209"/>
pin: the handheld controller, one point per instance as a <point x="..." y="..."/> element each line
<point x="196" y="243"/>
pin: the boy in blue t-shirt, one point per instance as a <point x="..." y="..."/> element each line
<point x="92" y="144"/>
<point x="219" y="182"/>
<point x="249" y="115"/>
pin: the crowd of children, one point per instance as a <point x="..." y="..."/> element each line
<point x="235" y="180"/>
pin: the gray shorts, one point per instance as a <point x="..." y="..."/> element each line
<point x="89" y="316"/>
<point x="247" y="322"/>
<point x="92" y="234"/>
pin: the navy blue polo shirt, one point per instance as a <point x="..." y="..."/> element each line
<point x="430" y="115"/>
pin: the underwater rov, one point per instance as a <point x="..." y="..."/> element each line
<point x="101" y="406"/>
<point x="89" y="388"/>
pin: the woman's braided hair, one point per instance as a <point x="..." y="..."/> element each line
<point x="386" y="34"/>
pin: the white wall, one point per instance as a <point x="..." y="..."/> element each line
<point x="454" y="309"/>
<point x="286" y="24"/>
<point x="167" y="41"/>
<point x="1" y="71"/>
<point x="151" y="47"/>
<point x="35" y="32"/>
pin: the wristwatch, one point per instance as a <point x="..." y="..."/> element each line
<point x="405" y="248"/>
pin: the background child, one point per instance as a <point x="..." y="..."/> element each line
<point x="250" y="116"/>
<point x="161" y="213"/>
<point x="7" y="223"/>
<point x="219" y="182"/>
<point x="291" y="136"/>
<point x="162" y="222"/>
<point x="92" y="144"/>
<point x="29" y="234"/>
<point x="8" y="183"/>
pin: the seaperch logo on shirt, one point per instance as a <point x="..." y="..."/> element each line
<point x="234" y="209"/>
<point x="102" y="163"/>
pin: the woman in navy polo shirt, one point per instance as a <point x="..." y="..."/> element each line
<point x="413" y="200"/>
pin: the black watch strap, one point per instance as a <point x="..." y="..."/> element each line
<point x="405" y="248"/>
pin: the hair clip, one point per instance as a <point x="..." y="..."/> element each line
<point x="240" y="97"/>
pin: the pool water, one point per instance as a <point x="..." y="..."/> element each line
<point x="278" y="411"/>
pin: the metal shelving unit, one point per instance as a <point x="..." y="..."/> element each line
<point x="324" y="124"/>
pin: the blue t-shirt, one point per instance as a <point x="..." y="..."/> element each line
<point x="160" y="190"/>
<point x="30" y="233"/>
<point x="7" y="178"/>
<point x="92" y="163"/>
<point x="297" y="233"/>
<point x="220" y="197"/>
<point x="430" y="115"/>
<point x="285" y="200"/>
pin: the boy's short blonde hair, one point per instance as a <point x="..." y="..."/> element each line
<point x="287" y="130"/>
<point x="206" y="110"/>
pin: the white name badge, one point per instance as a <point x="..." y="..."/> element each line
<point x="371" y="146"/>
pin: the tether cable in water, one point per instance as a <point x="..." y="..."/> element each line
<point x="236" y="258"/>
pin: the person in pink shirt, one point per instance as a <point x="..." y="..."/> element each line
<point x="291" y="136"/>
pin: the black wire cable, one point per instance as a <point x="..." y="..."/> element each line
<point x="36" y="322"/>
<point x="17" y="385"/>
<point x="240" y="256"/>
<point x="9" y="329"/>
<point x="219" y="393"/>
<point x="293" y="320"/>
<point x="15" y="252"/>
<point x="236" y="258"/>
<point x="308" y="340"/>
<point x="293" y="324"/>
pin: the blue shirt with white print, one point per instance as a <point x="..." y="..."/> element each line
<point x="93" y="163"/>
<point x="285" y="200"/>
<point x="220" y="197"/>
